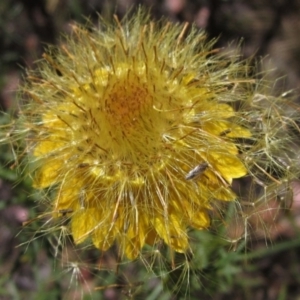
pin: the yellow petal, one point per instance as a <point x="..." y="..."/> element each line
<point x="48" y="174"/>
<point x="200" y="219"/>
<point x="46" y="147"/>
<point x="237" y="131"/>
<point x="196" y="216"/>
<point x="172" y="231"/>
<point x="68" y="196"/>
<point x="215" y="127"/>
<point x="227" y="165"/>
<point x="110" y="225"/>
<point x="134" y="237"/>
<point x="215" y="188"/>
<point x="227" y="128"/>
<point x="103" y="238"/>
<point x="84" y="223"/>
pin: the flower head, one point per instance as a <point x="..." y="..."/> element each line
<point x="137" y="129"/>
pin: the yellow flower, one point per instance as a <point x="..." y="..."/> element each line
<point x="134" y="127"/>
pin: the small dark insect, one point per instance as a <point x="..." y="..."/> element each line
<point x="225" y="132"/>
<point x="197" y="171"/>
<point x="83" y="165"/>
<point x="65" y="211"/>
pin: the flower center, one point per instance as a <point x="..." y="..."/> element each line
<point x="130" y="117"/>
<point x="125" y="103"/>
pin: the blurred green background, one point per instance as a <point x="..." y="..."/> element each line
<point x="270" y="269"/>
